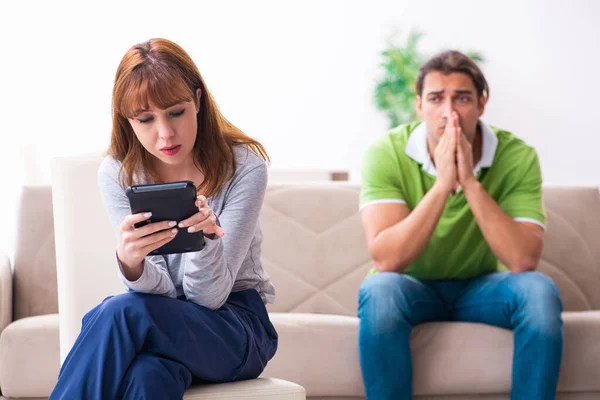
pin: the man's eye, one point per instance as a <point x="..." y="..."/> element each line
<point x="144" y="120"/>
<point x="434" y="99"/>
<point x="464" y="99"/>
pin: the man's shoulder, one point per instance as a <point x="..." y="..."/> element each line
<point x="513" y="154"/>
<point x="393" y="142"/>
<point x="387" y="168"/>
<point x="511" y="148"/>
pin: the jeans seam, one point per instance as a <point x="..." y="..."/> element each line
<point x="414" y="303"/>
<point x="479" y="305"/>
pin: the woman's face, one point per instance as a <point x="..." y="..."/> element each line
<point x="168" y="134"/>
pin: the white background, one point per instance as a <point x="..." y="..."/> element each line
<point x="297" y="75"/>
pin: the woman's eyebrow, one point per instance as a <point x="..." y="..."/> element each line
<point x="139" y="111"/>
<point x="142" y="110"/>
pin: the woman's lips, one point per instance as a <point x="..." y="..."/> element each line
<point x="171" y="151"/>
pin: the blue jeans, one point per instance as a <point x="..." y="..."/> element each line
<point x="390" y="304"/>
<point x="144" y="346"/>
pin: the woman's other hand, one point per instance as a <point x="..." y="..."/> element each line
<point x="204" y="220"/>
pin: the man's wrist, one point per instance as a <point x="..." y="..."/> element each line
<point x="471" y="185"/>
<point x="440" y="189"/>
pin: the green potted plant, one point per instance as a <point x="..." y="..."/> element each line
<point x="395" y="92"/>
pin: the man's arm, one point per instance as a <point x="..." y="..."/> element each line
<point x="396" y="237"/>
<point x="517" y="244"/>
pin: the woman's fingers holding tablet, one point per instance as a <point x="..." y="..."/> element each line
<point x="154" y="241"/>
<point x="151" y="227"/>
<point x="146" y="230"/>
<point x="210" y="221"/>
<point x="136" y="243"/>
<point x="131" y="220"/>
<point x="201" y="202"/>
<point x="204" y="220"/>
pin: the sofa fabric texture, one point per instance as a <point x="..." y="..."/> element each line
<point x="315" y="252"/>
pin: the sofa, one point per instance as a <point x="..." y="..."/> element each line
<point x="315" y="252"/>
<point x="29" y="344"/>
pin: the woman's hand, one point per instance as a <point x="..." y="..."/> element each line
<point x="204" y="220"/>
<point x="137" y="243"/>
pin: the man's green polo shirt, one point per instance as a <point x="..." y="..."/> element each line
<point x="397" y="168"/>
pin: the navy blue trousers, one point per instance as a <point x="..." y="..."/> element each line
<point x="143" y="346"/>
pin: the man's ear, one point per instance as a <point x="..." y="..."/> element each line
<point x="419" y="106"/>
<point x="482" y="102"/>
<point x="197" y="100"/>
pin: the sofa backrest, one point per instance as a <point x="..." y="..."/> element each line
<point x="314" y="246"/>
<point x="34" y="271"/>
<point x="571" y="255"/>
<point x="315" y="250"/>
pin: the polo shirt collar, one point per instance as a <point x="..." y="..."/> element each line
<point x="416" y="148"/>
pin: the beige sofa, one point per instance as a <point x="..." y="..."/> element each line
<point x="315" y="252"/>
<point x="29" y="361"/>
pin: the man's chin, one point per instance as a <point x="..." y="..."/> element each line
<point x="435" y="138"/>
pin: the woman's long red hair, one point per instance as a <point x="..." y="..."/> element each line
<point x="162" y="73"/>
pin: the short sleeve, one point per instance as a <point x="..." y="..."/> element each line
<point x="524" y="201"/>
<point x="379" y="175"/>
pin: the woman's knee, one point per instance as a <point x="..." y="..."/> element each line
<point x="130" y="300"/>
<point x="119" y="305"/>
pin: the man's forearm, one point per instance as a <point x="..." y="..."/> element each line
<point x="398" y="246"/>
<point x="512" y="242"/>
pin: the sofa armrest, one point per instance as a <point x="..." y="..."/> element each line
<point x="6" y="291"/>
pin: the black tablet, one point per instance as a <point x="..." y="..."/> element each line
<point x="173" y="201"/>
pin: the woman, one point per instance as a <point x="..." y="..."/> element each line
<point x="186" y="317"/>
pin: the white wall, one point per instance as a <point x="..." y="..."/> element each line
<point x="298" y="75"/>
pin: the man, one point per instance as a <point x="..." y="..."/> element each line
<point x="454" y="219"/>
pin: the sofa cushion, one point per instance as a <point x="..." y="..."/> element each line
<point x="6" y="291"/>
<point x="29" y="357"/>
<point x="35" y="290"/>
<point x="318" y="352"/>
<point x="315" y="251"/>
<point x="580" y="369"/>
<point x="448" y="358"/>
<point x="253" y="389"/>
<point x="314" y="247"/>
<point x="571" y="255"/>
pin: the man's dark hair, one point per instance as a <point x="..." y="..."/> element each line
<point x="451" y="61"/>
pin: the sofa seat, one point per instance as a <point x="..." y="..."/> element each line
<point x="254" y="389"/>
<point x="447" y="357"/>
<point x="30" y="357"/>
<point x="30" y="362"/>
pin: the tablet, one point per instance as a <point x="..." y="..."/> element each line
<point x="173" y="201"/>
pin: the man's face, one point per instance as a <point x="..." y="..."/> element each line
<point x="443" y="94"/>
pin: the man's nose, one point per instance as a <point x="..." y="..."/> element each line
<point x="448" y="108"/>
